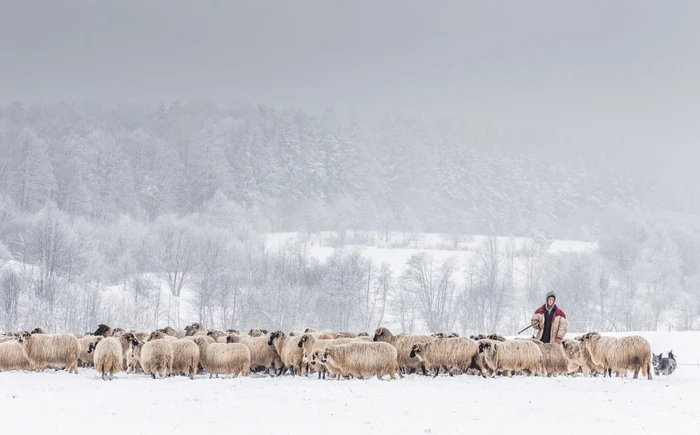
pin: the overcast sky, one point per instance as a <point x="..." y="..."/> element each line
<point x="629" y="67"/>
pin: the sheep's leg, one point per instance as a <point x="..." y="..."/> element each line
<point x="425" y="373"/>
<point x="437" y="371"/>
<point x="449" y="372"/>
<point x="636" y="373"/>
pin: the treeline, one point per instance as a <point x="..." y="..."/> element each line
<point x="67" y="274"/>
<point x="310" y="173"/>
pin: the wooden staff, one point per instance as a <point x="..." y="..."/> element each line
<point x="526" y="328"/>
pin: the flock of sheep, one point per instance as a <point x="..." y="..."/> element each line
<point x="167" y="352"/>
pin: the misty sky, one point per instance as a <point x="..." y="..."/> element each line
<point x="598" y="67"/>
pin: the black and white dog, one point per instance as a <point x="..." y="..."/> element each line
<point x="663" y="366"/>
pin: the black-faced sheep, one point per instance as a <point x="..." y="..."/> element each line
<point x="289" y="351"/>
<point x="262" y="355"/>
<point x="84" y="357"/>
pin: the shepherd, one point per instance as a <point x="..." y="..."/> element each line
<point x="550" y="320"/>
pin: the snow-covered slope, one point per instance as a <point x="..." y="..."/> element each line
<point x="59" y="403"/>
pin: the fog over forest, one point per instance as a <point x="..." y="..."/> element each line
<point x="345" y="165"/>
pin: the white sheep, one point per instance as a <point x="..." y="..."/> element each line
<point x="220" y="358"/>
<point x="56" y="350"/>
<point x="360" y="359"/>
<point x="13" y="356"/>
<point x="156" y="358"/>
<point x="512" y="356"/>
<point x="107" y="354"/>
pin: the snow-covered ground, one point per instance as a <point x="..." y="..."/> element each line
<point x="59" y="403"/>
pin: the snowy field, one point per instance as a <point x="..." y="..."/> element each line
<point x="59" y="403"/>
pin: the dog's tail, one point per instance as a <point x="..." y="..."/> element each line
<point x="671" y="356"/>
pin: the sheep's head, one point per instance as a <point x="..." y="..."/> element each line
<point x="304" y="339"/>
<point x="362" y="334"/>
<point x="37" y="331"/>
<point x="193" y="328"/>
<point x="327" y="354"/>
<point x="156" y="335"/>
<point x="495" y="337"/>
<point x="92" y="346"/>
<point x="590" y="336"/>
<point x="381" y="334"/>
<point x="485" y="346"/>
<point x="316" y="357"/>
<point x="103" y="330"/>
<point x="308" y="330"/>
<point x="256" y="332"/>
<point x="167" y="330"/>
<point x="438" y="335"/>
<point x="23" y="336"/>
<point x="274" y="336"/>
<point x="416" y="351"/>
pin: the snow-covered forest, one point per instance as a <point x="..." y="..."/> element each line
<point x="144" y="216"/>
